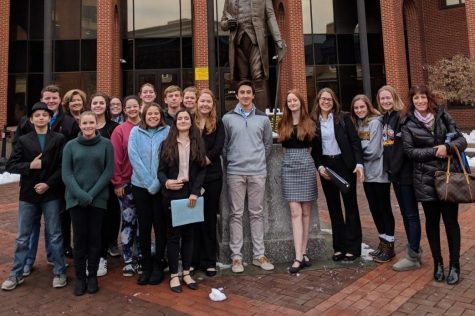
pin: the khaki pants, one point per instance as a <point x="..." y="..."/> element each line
<point x="254" y="186"/>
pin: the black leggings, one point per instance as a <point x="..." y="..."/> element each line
<point x="379" y="201"/>
<point x="449" y="212"/>
<point x="111" y="223"/>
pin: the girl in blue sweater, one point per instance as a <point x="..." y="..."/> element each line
<point x="144" y="152"/>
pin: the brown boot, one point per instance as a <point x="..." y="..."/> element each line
<point x="387" y="253"/>
<point x="378" y="250"/>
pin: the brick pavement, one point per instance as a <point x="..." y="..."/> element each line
<point x="361" y="288"/>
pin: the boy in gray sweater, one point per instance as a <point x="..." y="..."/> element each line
<point x="247" y="145"/>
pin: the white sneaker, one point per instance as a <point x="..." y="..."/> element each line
<point x="237" y="266"/>
<point x="263" y="263"/>
<point x="102" y="269"/>
<point x="12" y="282"/>
<point x="27" y="270"/>
<point x="60" y="280"/>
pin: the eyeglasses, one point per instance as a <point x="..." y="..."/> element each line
<point x="326" y="99"/>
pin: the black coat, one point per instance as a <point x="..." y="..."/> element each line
<point x="26" y="149"/>
<point x="396" y="163"/>
<point x="169" y="170"/>
<point x="64" y="124"/>
<point x="347" y="139"/>
<point x="214" y="143"/>
<point x="419" y="145"/>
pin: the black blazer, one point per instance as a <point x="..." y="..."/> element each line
<point x="214" y="143"/>
<point x="26" y="149"/>
<point x="347" y="139"/>
<point x="169" y="170"/>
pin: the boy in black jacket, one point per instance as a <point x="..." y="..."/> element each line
<point x="37" y="157"/>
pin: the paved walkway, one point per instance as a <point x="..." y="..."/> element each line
<point x="359" y="288"/>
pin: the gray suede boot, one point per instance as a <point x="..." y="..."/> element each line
<point x="411" y="261"/>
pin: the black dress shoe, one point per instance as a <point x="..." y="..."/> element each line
<point x="191" y="285"/>
<point x="176" y="289"/>
<point x="211" y="272"/>
<point x="306" y="262"/>
<point x="156" y="277"/>
<point x="439" y="272"/>
<point x="80" y="287"/>
<point x="338" y="256"/>
<point x="454" y="274"/>
<point x="297" y="269"/>
<point x="92" y="285"/>
<point x="350" y="257"/>
<point x="144" y="278"/>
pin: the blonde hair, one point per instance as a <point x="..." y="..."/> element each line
<point x="371" y="110"/>
<point x="68" y="97"/>
<point x="398" y="104"/>
<point x="212" y="118"/>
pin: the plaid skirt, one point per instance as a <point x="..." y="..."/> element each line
<point x="299" y="180"/>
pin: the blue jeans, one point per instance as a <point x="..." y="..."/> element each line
<point x="33" y="244"/>
<point x="410" y="214"/>
<point x="27" y="214"/>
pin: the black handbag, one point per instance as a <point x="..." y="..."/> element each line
<point x="455" y="187"/>
<point x="337" y="180"/>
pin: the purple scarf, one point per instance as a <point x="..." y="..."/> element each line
<point x="427" y="120"/>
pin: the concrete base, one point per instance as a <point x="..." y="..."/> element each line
<point x="277" y="223"/>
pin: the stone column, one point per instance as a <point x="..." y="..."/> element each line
<point x="394" y="45"/>
<point x="4" y="46"/>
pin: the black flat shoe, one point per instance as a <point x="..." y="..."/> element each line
<point x="176" y="289"/>
<point x="293" y="269"/>
<point x="191" y="285"/>
<point x="211" y="273"/>
<point x="338" y="256"/>
<point x="439" y="272"/>
<point x="350" y="257"/>
<point x="306" y="261"/>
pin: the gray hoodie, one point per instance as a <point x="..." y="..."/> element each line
<point x="371" y="137"/>
<point x="248" y="142"/>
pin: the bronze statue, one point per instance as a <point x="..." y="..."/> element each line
<point x="249" y="22"/>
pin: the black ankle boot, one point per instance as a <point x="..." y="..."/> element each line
<point x="454" y="273"/>
<point x="144" y="277"/>
<point x="439" y="271"/>
<point x="92" y="285"/>
<point x="80" y="287"/>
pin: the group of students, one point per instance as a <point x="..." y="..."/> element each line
<point x="114" y="168"/>
<point x="395" y="143"/>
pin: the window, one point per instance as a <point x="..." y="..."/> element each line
<point x="445" y="4"/>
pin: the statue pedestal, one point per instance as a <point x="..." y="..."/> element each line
<point x="277" y="222"/>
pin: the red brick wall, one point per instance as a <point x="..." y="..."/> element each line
<point x="393" y="45"/>
<point x="470" y="15"/>
<point x="200" y="39"/>
<point x="445" y="31"/>
<point x="108" y="48"/>
<point x="290" y="19"/>
<point x="4" y="42"/>
<point x="464" y="117"/>
<point x="414" y="40"/>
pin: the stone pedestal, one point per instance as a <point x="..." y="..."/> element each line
<point x="277" y="222"/>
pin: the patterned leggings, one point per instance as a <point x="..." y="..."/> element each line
<point x="129" y="230"/>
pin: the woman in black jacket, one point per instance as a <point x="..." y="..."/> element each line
<point x="181" y="172"/>
<point x="424" y="139"/>
<point x="212" y="132"/>
<point x="399" y="169"/>
<point x="339" y="148"/>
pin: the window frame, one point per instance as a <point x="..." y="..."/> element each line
<point x="444" y="6"/>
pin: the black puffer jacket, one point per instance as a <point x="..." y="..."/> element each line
<point x="419" y="145"/>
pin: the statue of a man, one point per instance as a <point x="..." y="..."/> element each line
<point x="249" y="22"/>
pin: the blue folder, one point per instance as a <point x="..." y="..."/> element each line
<point x="182" y="214"/>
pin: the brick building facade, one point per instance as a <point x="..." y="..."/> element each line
<point x="414" y="33"/>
